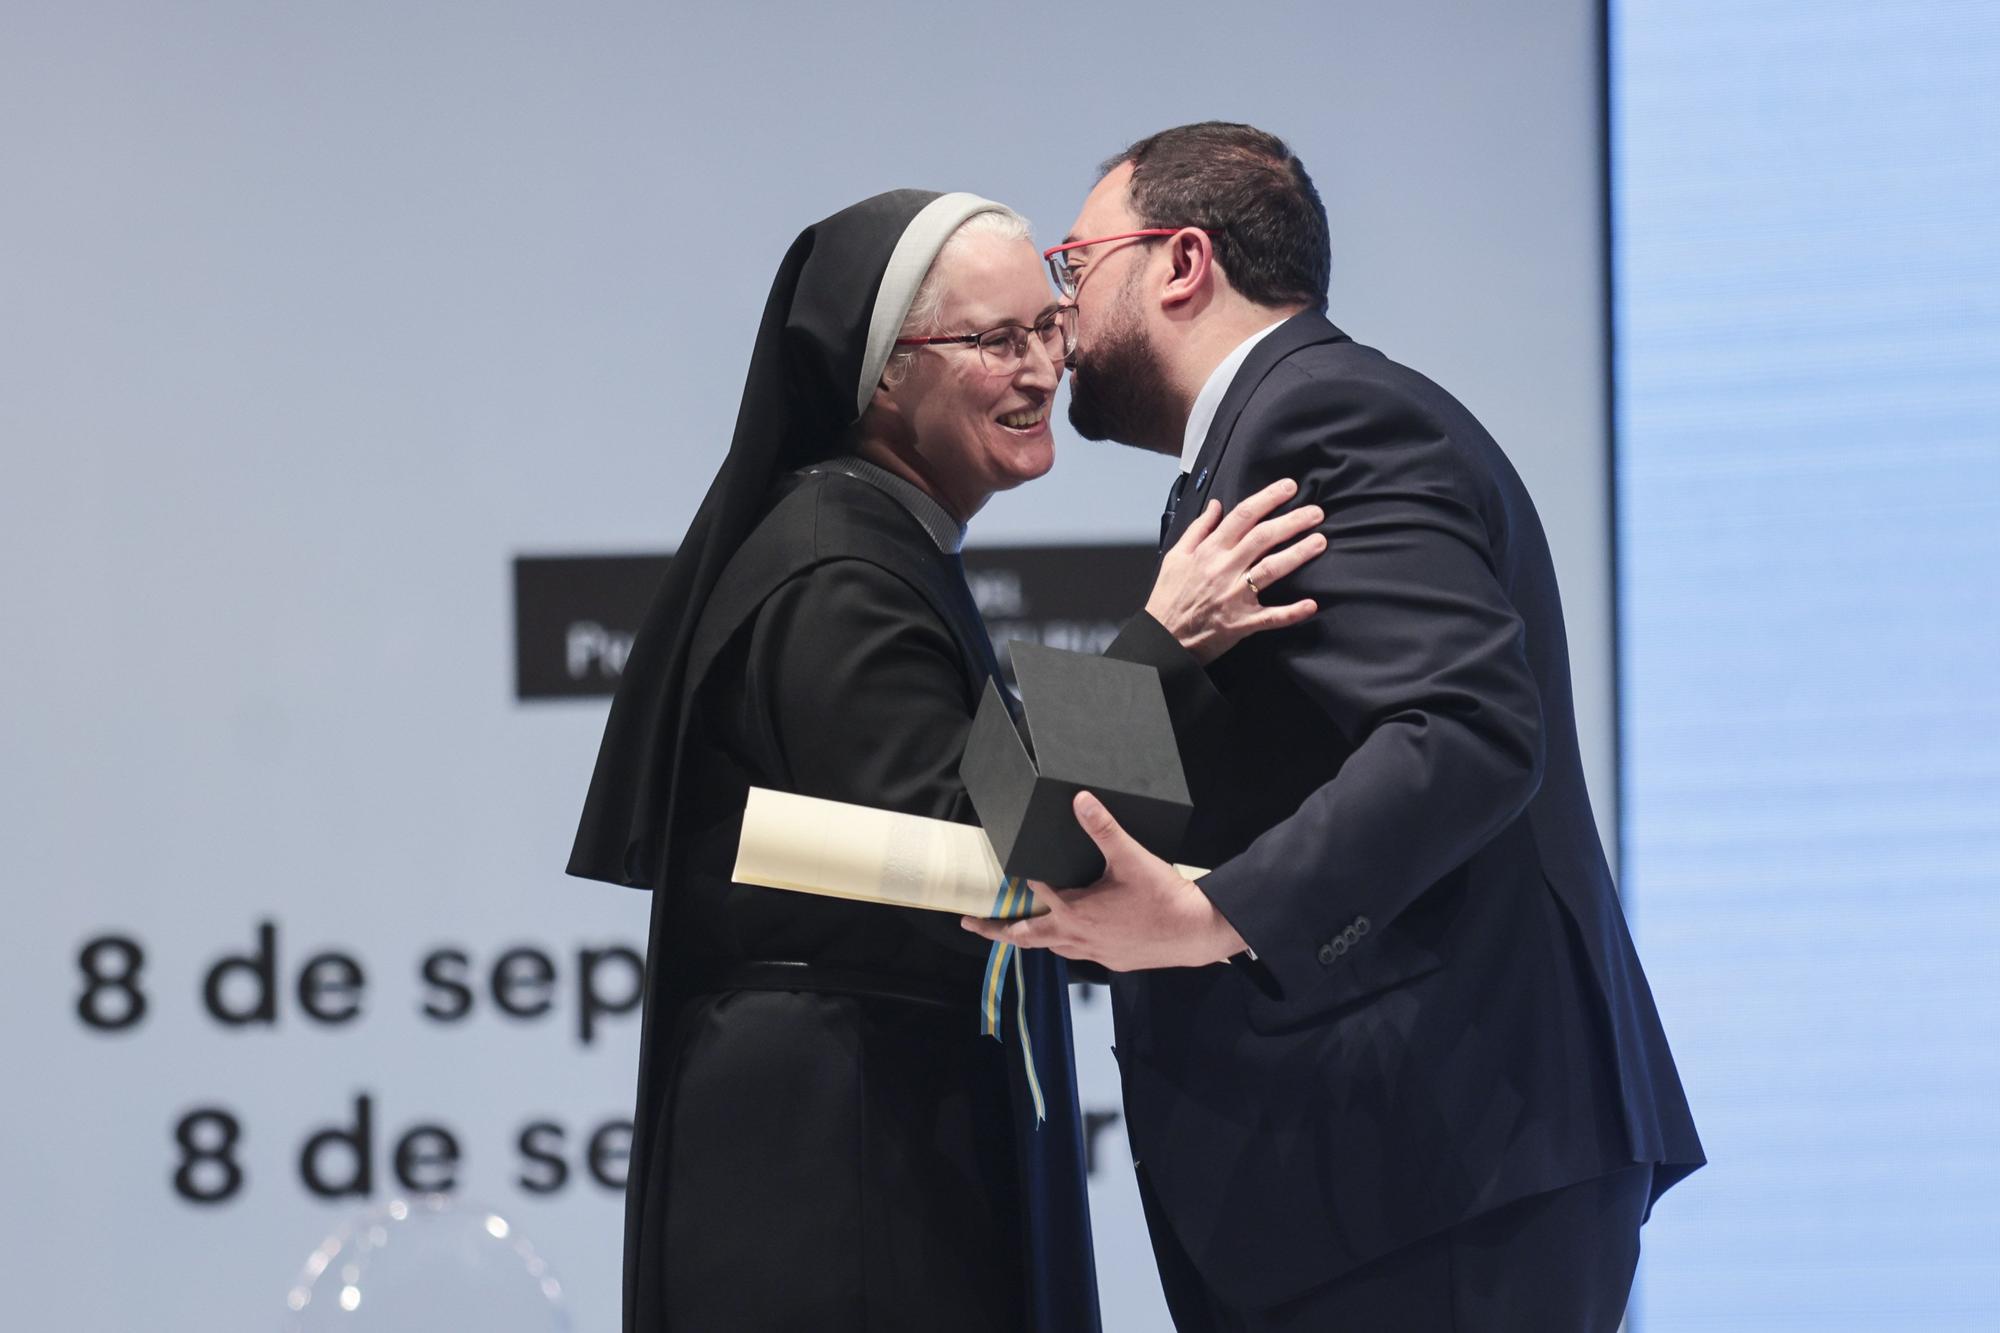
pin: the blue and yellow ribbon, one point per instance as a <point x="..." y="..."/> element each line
<point x="1015" y="900"/>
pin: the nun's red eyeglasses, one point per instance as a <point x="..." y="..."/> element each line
<point x="1003" y="350"/>
<point x="1066" y="278"/>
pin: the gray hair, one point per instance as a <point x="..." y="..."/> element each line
<point x="926" y="317"/>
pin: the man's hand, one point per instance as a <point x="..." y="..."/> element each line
<point x="1141" y="914"/>
<point x="1207" y="592"/>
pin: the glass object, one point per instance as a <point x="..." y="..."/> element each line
<point x="431" y="1262"/>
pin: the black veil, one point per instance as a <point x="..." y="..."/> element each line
<point x="830" y="323"/>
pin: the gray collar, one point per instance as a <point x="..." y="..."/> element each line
<point x="946" y="531"/>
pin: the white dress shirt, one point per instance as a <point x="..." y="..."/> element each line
<point x="1202" y="415"/>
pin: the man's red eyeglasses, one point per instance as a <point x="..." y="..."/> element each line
<point x="1065" y="277"/>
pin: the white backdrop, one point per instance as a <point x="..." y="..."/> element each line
<point x="1809" y="280"/>
<point x="313" y="316"/>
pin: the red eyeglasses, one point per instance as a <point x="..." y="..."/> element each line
<point x="1066" y="278"/>
<point x="1002" y="350"/>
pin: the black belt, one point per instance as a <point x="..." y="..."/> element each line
<point x="789" y="976"/>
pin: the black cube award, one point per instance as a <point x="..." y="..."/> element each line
<point x="1091" y="724"/>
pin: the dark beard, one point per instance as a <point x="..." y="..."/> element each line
<point x="1120" y="392"/>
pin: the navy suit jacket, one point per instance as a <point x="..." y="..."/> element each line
<point x="1446" y="1013"/>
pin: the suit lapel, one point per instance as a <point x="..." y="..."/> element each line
<point x="1301" y="330"/>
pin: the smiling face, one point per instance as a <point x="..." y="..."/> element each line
<point x="964" y="430"/>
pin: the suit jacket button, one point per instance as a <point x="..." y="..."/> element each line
<point x="1360" y="926"/>
<point x="1339" y="947"/>
<point x="1326" y="955"/>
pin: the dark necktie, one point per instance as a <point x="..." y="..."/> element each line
<point x="1173" y="504"/>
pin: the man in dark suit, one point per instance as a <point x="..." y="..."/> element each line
<point x="1392" y="1064"/>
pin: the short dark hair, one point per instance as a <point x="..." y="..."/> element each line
<point x="1250" y="193"/>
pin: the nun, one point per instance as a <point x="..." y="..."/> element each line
<point x="823" y="1140"/>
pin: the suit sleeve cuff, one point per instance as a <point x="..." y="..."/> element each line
<point x="1284" y="958"/>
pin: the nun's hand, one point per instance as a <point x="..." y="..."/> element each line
<point x="1209" y="594"/>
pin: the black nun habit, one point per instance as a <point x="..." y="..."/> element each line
<point x="823" y="1140"/>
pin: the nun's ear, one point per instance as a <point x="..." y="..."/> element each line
<point x="887" y="416"/>
<point x="884" y="405"/>
<point x="892" y="375"/>
<point x="896" y="368"/>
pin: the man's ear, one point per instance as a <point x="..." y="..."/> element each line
<point x="1192" y="270"/>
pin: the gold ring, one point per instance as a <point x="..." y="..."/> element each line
<point x="1254" y="589"/>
